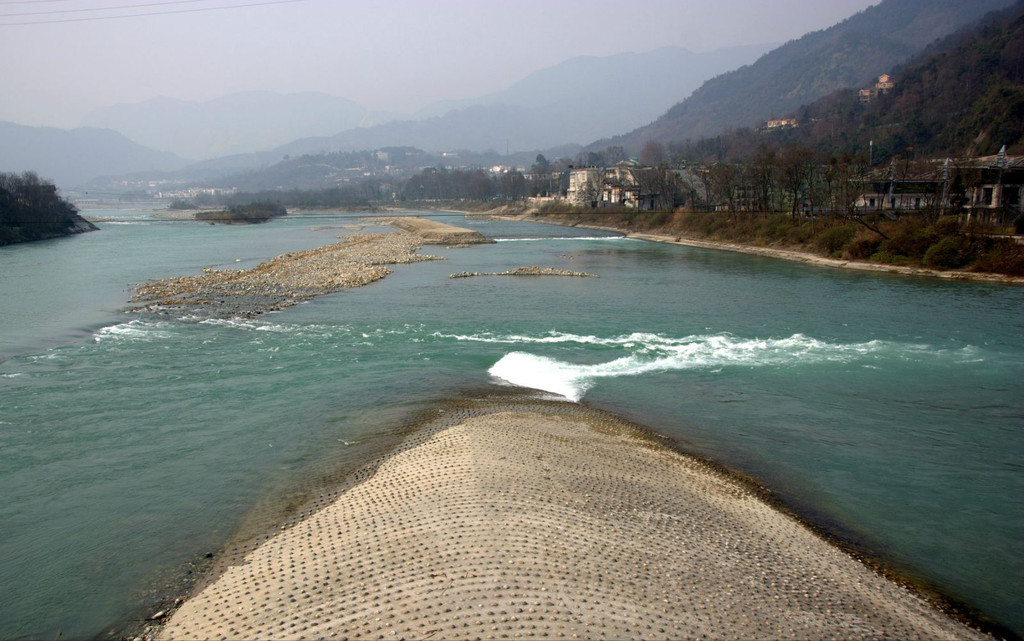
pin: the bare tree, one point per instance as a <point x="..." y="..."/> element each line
<point x="724" y="178"/>
<point x="795" y="165"/>
<point x="765" y="166"/>
<point x="653" y="154"/>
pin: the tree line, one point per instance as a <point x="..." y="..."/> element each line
<point x="259" y="211"/>
<point x="32" y="209"/>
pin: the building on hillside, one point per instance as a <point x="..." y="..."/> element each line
<point x="989" y="187"/>
<point x="883" y="85"/>
<point x="780" y="123"/>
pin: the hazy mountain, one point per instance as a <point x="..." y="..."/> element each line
<point x="574" y="101"/>
<point x="475" y="128"/>
<point x="74" y="157"/>
<point x="849" y="54"/>
<point x="588" y="96"/>
<point x="239" y="123"/>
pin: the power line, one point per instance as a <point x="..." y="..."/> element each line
<point x="124" y="6"/>
<point x="147" y="14"/>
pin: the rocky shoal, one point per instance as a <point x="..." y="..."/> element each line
<point x="282" y="281"/>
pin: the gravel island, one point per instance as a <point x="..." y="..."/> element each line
<point x="284" y="280"/>
<point x="291" y="278"/>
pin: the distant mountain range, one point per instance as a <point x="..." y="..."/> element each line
<point x="587" y="97"/>
<point x="849" y="54"/>
<point x="577" y="101"/>
<point x="239" y="123"/>
<point x="73" y="157"/>
<point x="572" y="102"/>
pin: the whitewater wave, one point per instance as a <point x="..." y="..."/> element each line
<point x="642" y="339"/>
<point x="655" y="353"/>
<point x="257" y="325"/>
<point x="132" y="331"/>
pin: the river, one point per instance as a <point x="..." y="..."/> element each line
<point x="886" y="409"/>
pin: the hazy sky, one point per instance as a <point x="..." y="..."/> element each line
<point x="395" y="55"/>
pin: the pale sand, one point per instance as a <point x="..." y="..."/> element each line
<point x="548" y="520"/>
<point x="434" y="232"/>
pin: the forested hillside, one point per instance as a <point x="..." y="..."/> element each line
<point x="31" y="209"/>
<point x="849" y="54"/>
<point x="963" y="96"/>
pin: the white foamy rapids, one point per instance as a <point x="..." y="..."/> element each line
<point x="251" y="325"/>
<point x="559" y="338"/>
<point x="261" y="326"/>
<point x="132" y="331"/>
<point x="654" y="353"/>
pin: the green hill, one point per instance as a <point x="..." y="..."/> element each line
<point x="850" y="54"/>
<point x="963" y="96"/>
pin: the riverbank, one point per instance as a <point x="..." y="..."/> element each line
<point x="821" y="261"/>
<point x="511" y="517"/>
<point x="788" y="254"/>
<point x="530" y="214"/>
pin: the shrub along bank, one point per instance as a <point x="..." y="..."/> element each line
<point x="945" y="243"/>
<point x="257" y="212"/>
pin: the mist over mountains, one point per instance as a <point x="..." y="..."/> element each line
<point x="239" y="123"/>
<point x="570" y="103"/>
<point x="573" y="102"/>
<point x="584" y="98"/>
<point x="665" y="95"/>
<point x="73" y="157"/>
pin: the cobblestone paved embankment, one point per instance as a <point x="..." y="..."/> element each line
<point x="534" y="520"/>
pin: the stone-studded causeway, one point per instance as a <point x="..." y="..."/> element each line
<point x="547" y="520"/>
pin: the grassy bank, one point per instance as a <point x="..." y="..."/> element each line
<point x="945" y="243"/>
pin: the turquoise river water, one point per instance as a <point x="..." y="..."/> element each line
<point x="887" y="409"/>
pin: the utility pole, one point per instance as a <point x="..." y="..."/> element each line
<point x="945" y="187"/>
